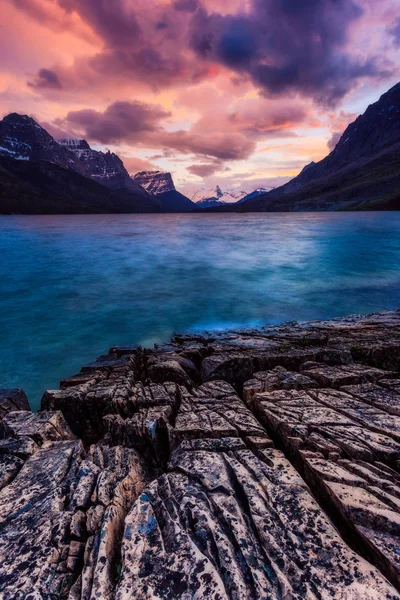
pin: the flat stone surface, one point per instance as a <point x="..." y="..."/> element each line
<point x="337" y="376"/>
<point x="276" y="379"/>
<point x="384" y="398"/>
<point x="40" y="427"/>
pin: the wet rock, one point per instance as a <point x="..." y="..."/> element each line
<point x="79" y="380"/>
<point x="22" y="447"/>
<point x="9" y="467"/>
<point x="385" y="399"/>
<point x="160" y="357"/>
<point x="384" y="354"/>
<point x="107" y="362"/>
<point x="363" y="490"/>
<point x="230" y="367"/>
<point x="71" y="402"/>
<point x="84" y="406"/>
<point x="127" y="470"/>
<point x="147" y="431"/>
<point x="278" y="378"/>
<point x="12" y="400"/>
<point x="146" y="396"/>
<point x="39" y="427"/>
<point x="344" y="375"/>
<point x="168" y="370"/>
<point x="203" y="416"/>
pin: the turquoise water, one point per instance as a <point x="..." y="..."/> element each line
<point x="72" y="286"/>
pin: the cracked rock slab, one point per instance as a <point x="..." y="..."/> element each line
<point x="229" y="525"/>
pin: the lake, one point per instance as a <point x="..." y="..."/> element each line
<point x="72" y="286"/>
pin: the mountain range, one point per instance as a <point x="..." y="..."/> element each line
<point x="205" y="198"/>
<point x="210" y="197"/>
<point x="361" y="173"/>
<point x="40" y="175"/>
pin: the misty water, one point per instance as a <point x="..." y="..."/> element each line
<point x="72" y="286"/>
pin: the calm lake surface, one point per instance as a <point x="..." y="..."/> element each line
<point x="72" y="286"/>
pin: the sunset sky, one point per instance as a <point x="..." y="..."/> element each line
<point x="235" y="92"/>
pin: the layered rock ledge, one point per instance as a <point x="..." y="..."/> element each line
<point x="247" y="465"/>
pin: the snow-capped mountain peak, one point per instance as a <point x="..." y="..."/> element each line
<point x="205" y="198"/>
<point x="22" y="138"/>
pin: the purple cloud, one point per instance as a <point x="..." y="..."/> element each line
<point x="394" y="31"/>
<point x="121" y="121"/>
<point x="46" y="79"/>
<point x="140" y="123"/>
<point x="186" y="5"/>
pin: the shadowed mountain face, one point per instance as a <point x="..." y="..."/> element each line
<point x="42" y="187"/>
<point x="361" y="173"/>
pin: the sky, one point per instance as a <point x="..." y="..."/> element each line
<point x="240" y="93"/>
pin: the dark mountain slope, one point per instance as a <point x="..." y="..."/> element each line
<point x="41" y="187"/>
<point x="362" y="172"/>
<point x="174" y="201"/>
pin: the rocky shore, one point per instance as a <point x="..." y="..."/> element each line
<point x="257" y="464"/>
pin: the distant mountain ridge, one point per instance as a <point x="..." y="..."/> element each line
<point x="206" y="198"/>
<point x="361" y="173"/>
<point x="22" y="140"/>
<point x="255" y="193"/>
<point x="215" y="197"/>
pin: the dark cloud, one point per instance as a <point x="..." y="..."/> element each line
<point x="237" y="46"/>
<point x="394" y="31"/>
<point x="207" y="169"/>
<point x="46" y="79"/>
<point x="56" y="129"/>
<point x="113" y="20"/>
<point x="121" y="121"/>
<point x="186" y="5"/>
<point x="287" y="46"/>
